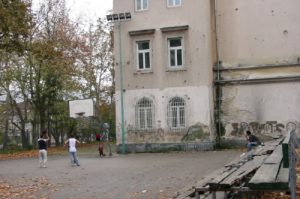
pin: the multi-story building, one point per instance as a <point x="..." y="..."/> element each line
<point x="194" y="69"/>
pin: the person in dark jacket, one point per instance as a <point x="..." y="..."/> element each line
<point x="252" y="140"/>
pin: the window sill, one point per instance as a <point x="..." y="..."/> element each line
<point x="142" y="10"/>
<point x="169" y="69"/>
<point x="143" y="72"/>
<point x="176" y="6"/>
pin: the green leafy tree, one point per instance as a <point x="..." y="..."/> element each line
<point x="53" y="51"/>
<point x="15" y="22"/>
<point x="96" y="65"/>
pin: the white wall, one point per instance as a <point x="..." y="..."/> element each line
<point x="196" y="98"/>
<point x="276" y="104"/>
<point x="253" y="32"/>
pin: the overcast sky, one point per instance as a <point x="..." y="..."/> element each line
<point x="89" y="9"/>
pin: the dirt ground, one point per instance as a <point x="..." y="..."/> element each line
<point x="131" y="176"/>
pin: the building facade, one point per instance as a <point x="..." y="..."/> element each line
<point x="195" y="69"/>
<point x="259" y="66"/>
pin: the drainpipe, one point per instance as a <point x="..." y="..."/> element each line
<point x="218" y="90"/>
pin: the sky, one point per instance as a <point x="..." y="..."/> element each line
<point x="89" y="10"/>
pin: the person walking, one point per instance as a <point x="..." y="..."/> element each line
<point x="71" y="143"/>
<point x="42" y="144"/>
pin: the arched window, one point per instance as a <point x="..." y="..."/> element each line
<point x="144" y="114"/>
<point x="176" y="113"/>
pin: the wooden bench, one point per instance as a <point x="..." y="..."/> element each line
<point x="278" y="172"/>
<point x="267" y="168"/>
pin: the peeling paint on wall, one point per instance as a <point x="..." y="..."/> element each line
<point x="195" y="133"/>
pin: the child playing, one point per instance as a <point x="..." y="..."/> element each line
<point x="101" y="147"/>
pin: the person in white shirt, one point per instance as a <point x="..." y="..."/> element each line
<point x="71" y="142"/>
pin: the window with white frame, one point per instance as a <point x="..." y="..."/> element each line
<point x="141" y="5"/>
<point x="174" y="3"/>
<point x="143" y="55"/>
<point x="144" y="114"/>
<point x="175" y="51"/>
<point x="176" y="113"/>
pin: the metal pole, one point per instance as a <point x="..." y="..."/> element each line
<point x="121" y="89"/>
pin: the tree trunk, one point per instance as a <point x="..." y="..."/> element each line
<point x="24" y="137"/>
<point x="5" y="140"/>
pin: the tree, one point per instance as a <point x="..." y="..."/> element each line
<point x="51" y="62"/>
<point x="96" y="64"/>
<point x="53" y="51"/>
<point x="15" y="21"/>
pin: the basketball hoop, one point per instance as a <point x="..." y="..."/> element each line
<point x="81" y="108"/>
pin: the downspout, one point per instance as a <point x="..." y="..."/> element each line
<point x="218" y="90"/>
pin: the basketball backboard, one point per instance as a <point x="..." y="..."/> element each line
<point x="81" y="108"/>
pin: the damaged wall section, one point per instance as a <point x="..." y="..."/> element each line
<point x="197" y="119"/>
<point x="259" y="67"/>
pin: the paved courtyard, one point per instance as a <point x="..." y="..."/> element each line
<point x="141" y="176"/>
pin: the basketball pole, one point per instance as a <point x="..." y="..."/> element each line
<point x="121" y="90"/>
<point x="119" y="18"/>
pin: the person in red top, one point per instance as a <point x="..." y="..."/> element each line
<point x="99" y="137"/>
<point x="101" y="149"/>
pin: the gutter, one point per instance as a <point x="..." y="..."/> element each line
<point x="258" y="80"/>
<point x="218" y="68"/>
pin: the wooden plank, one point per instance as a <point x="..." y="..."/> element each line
<point x="215" y="183"/>
<point x="204" y="182"/>
<point x="243" y="171"/>
<point x="275" y="157"/>
<point x="240" y="160"/>
<point x="269" y="147"/>
<point x="285" y="151"/>
<point x="186" y="195"/>
<point x="265" y="177"/>
<point x="282" y="179"/>
<point x="186" y="192"/>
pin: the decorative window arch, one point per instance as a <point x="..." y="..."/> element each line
<point x="144" y="114"/>
<point x="177" y="113"/>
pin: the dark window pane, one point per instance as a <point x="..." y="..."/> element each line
<point x="149" y="118"/>
<point x="141" y="65"/>
<point x="143" y="45"/>
<point x="174" y="117"/>
<point x="179" y="57"/>
<point x="182" y="116"/>
<point x="147" y="57"/>
<point x="172" y="57"/>
<point x="138" y="4"/>
<point x="175" y="42"/>
<point x="145" y="4"/>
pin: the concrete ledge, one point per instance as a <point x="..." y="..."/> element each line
<point x="165" y="147"/>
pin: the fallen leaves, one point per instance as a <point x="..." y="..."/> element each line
<point x="282" y="195"/>
<point x="26" y="188"/>
<point x="29" y="154"/>
<point x="34" y="153"/>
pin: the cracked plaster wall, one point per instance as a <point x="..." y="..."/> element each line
<point x="268" y="109"/>
<point x="198" y="115"/>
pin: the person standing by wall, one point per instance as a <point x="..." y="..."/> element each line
<point x="42" y="144"/>
<point x="71" y="143"/>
